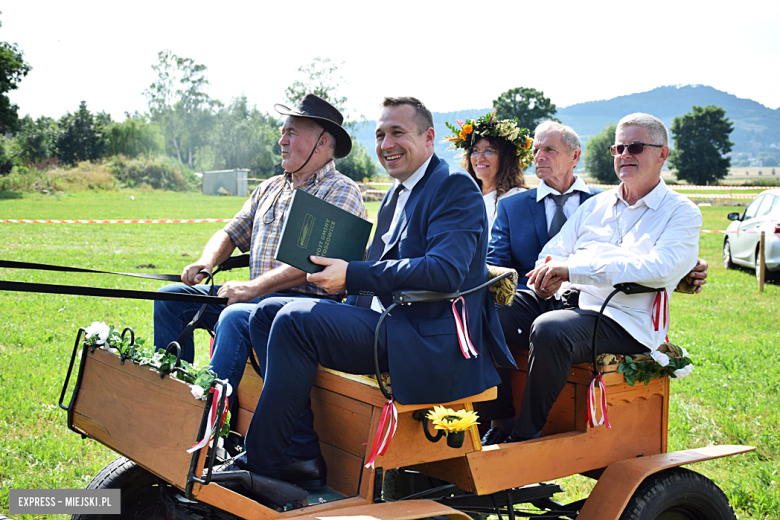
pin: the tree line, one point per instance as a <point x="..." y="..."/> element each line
<point x="184" y="123"/>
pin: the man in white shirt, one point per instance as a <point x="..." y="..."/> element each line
<point x="640" y="232"/>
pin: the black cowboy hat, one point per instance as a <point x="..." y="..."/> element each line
<point x="324" y="114"/>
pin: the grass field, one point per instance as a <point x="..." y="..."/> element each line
<point x="730" y="330"/>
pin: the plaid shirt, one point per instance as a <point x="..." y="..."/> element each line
<point x="257" y="228"/>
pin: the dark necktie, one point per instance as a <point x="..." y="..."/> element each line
<point x="377" y="245"/>
<point x="559" y="219"/>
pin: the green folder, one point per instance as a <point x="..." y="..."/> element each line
<point x="317" y="227"/>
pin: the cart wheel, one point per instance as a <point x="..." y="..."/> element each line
<point x="140" y="491"/>
<point x="727" y="260"/>
<point x="678" y="494"/>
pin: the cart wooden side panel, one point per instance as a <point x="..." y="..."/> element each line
<point x="638" y="416"/>
<point x="130" y="409"/>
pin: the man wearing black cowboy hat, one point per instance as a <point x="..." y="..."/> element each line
<point x="312" y="136"/>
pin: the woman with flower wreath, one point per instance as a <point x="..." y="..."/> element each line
<point x="495" y="153"/>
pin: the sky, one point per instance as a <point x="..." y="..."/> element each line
<point x="452" y="55"/>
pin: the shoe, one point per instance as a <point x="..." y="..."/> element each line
<point x="262" y="489"/>
<point x="518" y="438"/>
<point x="305" y="473"/>
<point x="494" y="435"/>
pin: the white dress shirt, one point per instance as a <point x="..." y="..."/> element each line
<point x="491" y="205"/>
<point x="660" y="245"/>
<point x="409" y="185"/>
<point x="571" y="204"/>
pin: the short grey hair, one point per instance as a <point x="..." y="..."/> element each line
<point x="569" y="137"/>
<point x="658" y="132"/>
<point x="331" y="144"/>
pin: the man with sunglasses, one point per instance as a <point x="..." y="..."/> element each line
<point x="312" y="136"/>
<point x="640" y="232"/>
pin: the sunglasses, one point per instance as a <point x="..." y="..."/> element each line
<point x="633" y="148"/>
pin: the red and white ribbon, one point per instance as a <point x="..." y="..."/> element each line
<point x="385" y="431"/>
<point x="601" y="403"/>
<point x="660" y="313"/>
<point x="462" y="326"/>
<point x="212" y="419"/>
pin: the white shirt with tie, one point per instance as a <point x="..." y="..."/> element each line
<point x="571" y="204"/>
<point x="408" y="185"/>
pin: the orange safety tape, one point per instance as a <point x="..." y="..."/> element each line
<point x="137" y="221"/>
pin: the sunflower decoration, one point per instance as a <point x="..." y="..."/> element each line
<point x="450" y="421"/>
<point x="470" y="131"/>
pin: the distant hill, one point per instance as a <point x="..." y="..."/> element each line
<point x="753" y="122"/>
<point x="755" y="125"/>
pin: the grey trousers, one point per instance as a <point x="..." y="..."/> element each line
<point x="556" y="334"/>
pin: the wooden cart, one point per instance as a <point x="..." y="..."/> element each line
<point x="151" y="421"/>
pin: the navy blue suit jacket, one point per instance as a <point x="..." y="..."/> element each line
<point x="520" y="231"/>
<point x="439" y="244"/>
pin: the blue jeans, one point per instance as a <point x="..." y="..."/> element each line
<point x="231" y="343"/>
<point x="228" y="323"/>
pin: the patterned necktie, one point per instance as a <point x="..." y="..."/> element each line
<point x="559" y="219"/>
<point x="377" y="245"/>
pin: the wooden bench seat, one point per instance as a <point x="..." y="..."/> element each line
<point x="347" y="409"/>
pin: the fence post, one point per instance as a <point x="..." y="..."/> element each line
<point x="761" y="267"/>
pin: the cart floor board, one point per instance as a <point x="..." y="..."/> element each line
<point x="324" y="494"/>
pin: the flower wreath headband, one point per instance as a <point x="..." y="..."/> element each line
<point x="471" y="131"/>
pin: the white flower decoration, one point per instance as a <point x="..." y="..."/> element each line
<point x="660" y="358"/>
<point x="684" y="352"/>
<point x="684" y="371"/>
<point x="99" y="329"/>
<point x="197" y="392"/>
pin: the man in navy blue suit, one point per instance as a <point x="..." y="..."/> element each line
<point x="431" y="235"/>
<point x="524" y="224"/>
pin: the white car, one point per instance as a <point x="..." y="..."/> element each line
<point x="740" y="247"/>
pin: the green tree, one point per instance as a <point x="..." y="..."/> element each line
<point x="767" y="160"/>
<point x="598" y="161"/>
<point x="701" y="137"/>
<point x="135" y="136"/>
<point x="179" y="104"/>
<point x="321" y="77"/>
<point x="244" y="138"/>
<point x="528" y="105"/>
<point x="12" y="69"/>
<point x="358" y="165"/>
<point x="36" y="139"/>
<point x="6" y="160"/>
<point x="82" y="137"/>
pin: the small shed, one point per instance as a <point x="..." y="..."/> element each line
<point x="226" y="182"/>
